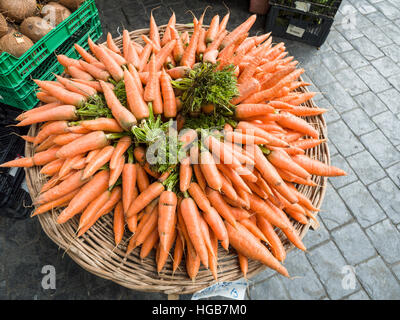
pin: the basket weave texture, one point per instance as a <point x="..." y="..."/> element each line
<point x="95" y="251"/>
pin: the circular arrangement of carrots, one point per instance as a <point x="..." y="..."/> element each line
<point x="236" y="187"/>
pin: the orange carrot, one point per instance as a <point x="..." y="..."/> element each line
<point x="84" y="54"/>
<point x="93" y="207"/>
<point x="317" y="167"/>
<point x="185" y="174"/>
<point x="124" y="117"/>
<point x="144" y="198"/>
<point x="166" y="217"/>
<point x="220" y="205"/>
<point x="104" y="124"/>
<point x="55" y="203"/>
<point x="118" y="223"/>
<point x="88" y="142"/>
<point x="248" y="245"/>
<point x="123" y="144"/>
<point x="111" y="44"/>
<point x="168" y="96"/>
<point x="101" y="159"/>
<point x="134" y="97"/>
<point x="111" y="65"/>
<point x="94" y="71"/>
<point x="275" y="243"/>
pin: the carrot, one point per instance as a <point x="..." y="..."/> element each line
<point x="78" y="73"/>
<point x="249" y="128"/>
<point x="317" y="167"/>
<point x="246" y="90"/>
<point x="111" y="65"/>
<point x="190" y="216"/>
<point x="178" y="50"/>
<point x="248" y="245"/>
<point x="144" y="198"/>
<point x="220" y="205"/>
<point x="67" y="165"/>
<point x="213" y="29"/>
<point x="76" y="87"/>
<point x="307" y="143"/>
<point x="94" y="71"/>
<point x="115" y="196"/>
<point x="88" y="142"/>
<point x="66" y="62"/>
<point x="53" y="128"/>
<point x="66" y="112"/>
<point x="201" y="45"/>
<point x="234" y="177"/>
<point x="55" y="203"/>
<point x="119" y="59"/>
<point x="94" y="84"/>
<point x="45" y="97"/>
<point x="192" y="263"/>
<point x="123" y="144"/>
<point x="154" y="34"/>
<point x="101" y="159"/>
<point x="252" y="110"/>
<point x="118" y="223"/>
<point x="303" y="97"/>
<point x="290" y="232"/>
<point x="224" y="22"/>
<point x="290" y="121"/>
<point x="66" y="138"/>
<point x="189" y="56"/>
<point x="166" y="217"/>
<point x="178" y="252"/>
<point x="142" y="178"/>
<point x="87" y="194"/>
<point x="111" y="44"/>
<point x="52" y="167"/>
<point x="275" y="243"/>
<point x="148" y="244"/>
<point x="222" y="151"/>
<point x="185" y="174"/>
<point x="148" y="227"/>
<point x="150" y="89"/>
<point x="281" y="159"/>
<point x="134" y="97"/>
<point x="144" y="57"/>
<point x="209" y="170"/>
<point x="84" y="54"/>
<point x="104" y="124"/>
<point x="164" y="253"/>
<point x="47" y="106"/>
<point x="124" y="117"/>
<point x="168" y="96"/>
<point x="163" y="54"/>
<point x="61" y="94"/>
<point x="65" y="187"/>
<point x="93" y="207"/>
<point x="243" y="28"/>
<point x="117" y="171"/>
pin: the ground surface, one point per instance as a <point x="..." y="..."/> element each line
<point x="357" y="74"/>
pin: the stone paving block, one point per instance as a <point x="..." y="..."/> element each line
<point x="377" y="280"/>
<point x="393" y="52"/>
<point x="358" y="121"/>
<point x="365" y="7"/>
<point x="361" y="204"/>
<point x="344" y="140"/>
<point x="386" y="66"/>
<point x="340" y="162"/>
<point x="386" y="239"/>
<point x="338" y="42"/>
<point x="396" y="271"/>
<point x="332" y="149"/>
<point x="263" y="275"/>
<point x="354" y="59"/>
<point x="112" y="19"/>
<point x="349" y="31"/>
<point x="316" y="237"/>
<point x="353" y="243"/>
<point x="338" y="97"/>
<point x="366" y="167"/>
<point x="328" y="262"/>
<point x="373" y="79"/>
<point x="333" y="61"/>
<point x="378" y="18"/>
<point x="395" y="81"/>
<point x="360" y="295"/>
<point x="392" y="31"/>
<point x="389" y="10"/>
<point x="305" y="284"/>
<point x="351" y="82"/>
<point x="380" y="147"/>
<point x="377" y="36"/>
<point x="272" y="289"/>
<point x="367" y="48"/>
<point x="334" y="212"/>
<point x="390" y="126"/>
<point x="370" y="103"/>
<point x="391" y="99"/>
<point x="394" y="173"/>
<point x="320" y="75"/>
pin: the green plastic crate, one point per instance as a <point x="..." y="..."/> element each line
<point x="24" y="96"/>
<point x="14" y="70"/>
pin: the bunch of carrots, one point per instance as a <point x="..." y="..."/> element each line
<point x="237" y="187"/>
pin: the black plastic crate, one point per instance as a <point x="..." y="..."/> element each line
<point x="15" y="201"/>
<point x="297" y="25"/>
<point x="319" y="7"/>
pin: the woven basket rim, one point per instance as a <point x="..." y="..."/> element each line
<point x="95" y="250"/>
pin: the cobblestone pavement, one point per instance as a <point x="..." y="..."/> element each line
<point x="357" y="74"/>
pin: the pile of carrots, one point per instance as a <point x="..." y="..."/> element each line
<point x="237" y="188"/>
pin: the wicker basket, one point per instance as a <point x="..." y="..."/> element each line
<point x="95" y="250"/>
